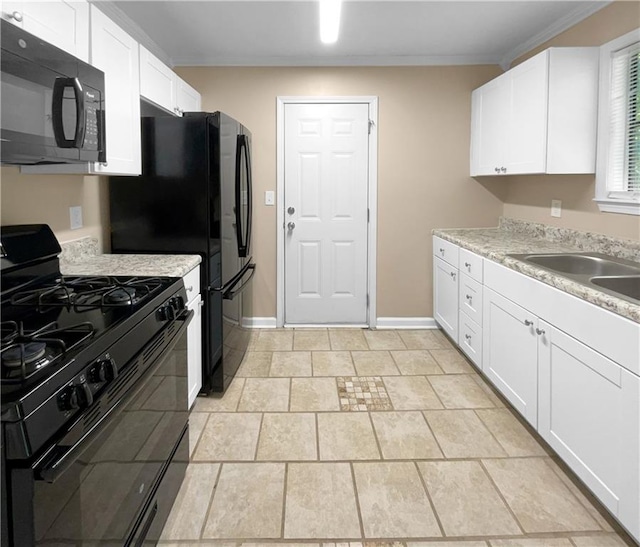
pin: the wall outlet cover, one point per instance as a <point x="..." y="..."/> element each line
<point x="556" y="208"/>
<point x="269" y="197"/>
<point x="75" y="216"/>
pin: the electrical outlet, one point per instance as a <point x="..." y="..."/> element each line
<point x="556" y="208"/>
<point x="269" y="197"/>
<point x="75" y="215"/>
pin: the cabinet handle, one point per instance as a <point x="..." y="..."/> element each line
<point x="441" y="251"/>
<point x="468" y="297"/>
<point x="528" y="322"/>
<point x="467" y="337"/>
<point x="15" y="15"/>
<point x="453" y="275"/>
<point x="189" y="288"/>
<point x="539" y="332"/>
<point x="503" y="169"/>
<point x="497" y="169"/>
<point x="468" y="265"/>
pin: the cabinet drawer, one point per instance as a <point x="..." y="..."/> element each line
<point x="446" y="251"/>
<point x="192" y="283"/>
<point x="470" y="338"/>
<point x="470" y="298"/>
<point x="471" y="264"/>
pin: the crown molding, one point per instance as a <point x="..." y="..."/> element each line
<point x="560" y="25"/>
<point x="365" y="60"/>
<point x="131" y="28"/>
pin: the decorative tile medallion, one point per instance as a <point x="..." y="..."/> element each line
<point x="362" y="393"/>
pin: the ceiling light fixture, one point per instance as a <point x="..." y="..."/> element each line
<point x="329" y="20"/>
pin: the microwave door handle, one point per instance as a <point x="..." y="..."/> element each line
<point x="57" y="108"/>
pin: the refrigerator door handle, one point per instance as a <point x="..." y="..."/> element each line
<point x="230" y="295"/>
<point x="233" y="281"/>
<point x="243" y="235"/>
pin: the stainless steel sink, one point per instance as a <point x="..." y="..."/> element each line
<point x="612" y="275"/>
<point x="579" y="264"/>
<point x="627" y="285"/>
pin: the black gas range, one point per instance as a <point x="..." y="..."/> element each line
<point x="93" y="380"/>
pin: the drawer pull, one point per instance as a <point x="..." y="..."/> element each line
<point x="441" y="251"/>
<point x="453" y="275"/>
<point x="469" y="298"/>
<point x="539" y="332"/>
<point x="468" y="265"/>
<point x="528" y="322"/>
<point x="189" y="288"/>
<point x="467" y="337"/>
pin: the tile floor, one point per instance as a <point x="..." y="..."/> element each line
<point x="355" y="438"/>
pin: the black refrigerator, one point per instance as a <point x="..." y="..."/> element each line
<point x="194" y="197"/>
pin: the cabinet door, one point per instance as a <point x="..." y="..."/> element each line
<point x="115" y="53"/>
<point x="61" y="23"/>
<point x="188" y="99"/>
<point x="157" y="81"/>
<point x="510" y="352"/>
<point x="526" y="137"/>
<point x="488" y="126"/>
<point x="194" y="350"/>
<point x="590" y="415"/>
<point x="445" y="297"/>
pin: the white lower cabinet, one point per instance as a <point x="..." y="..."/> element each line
<point x="194" y="350"/>
<point x="590" y="415"/>
<point x="510" y="352"/>
<point x="445" y="296"/>
<point x="194" y="334"/>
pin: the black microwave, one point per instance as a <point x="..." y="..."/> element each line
<point x="52" y="103"/>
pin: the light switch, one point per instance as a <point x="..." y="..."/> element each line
<point x="556" y="208"/>
<point x="75" y="216"/>
<point x="269" y="197"/>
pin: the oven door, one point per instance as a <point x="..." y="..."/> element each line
<point x="108" y="485"/>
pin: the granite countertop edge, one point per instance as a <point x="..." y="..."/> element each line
<point x="496" y="243"/>
<point x="157" y="265"/>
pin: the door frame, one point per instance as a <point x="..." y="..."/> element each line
<point x="372" y="187"/>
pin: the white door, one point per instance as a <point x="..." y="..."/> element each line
<point x="326" y="157"/>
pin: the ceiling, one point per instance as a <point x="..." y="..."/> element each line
<point x="285" y="33"/>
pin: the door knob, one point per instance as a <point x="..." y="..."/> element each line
<point x="291" y="225"/>
<point x="291" y="210"/>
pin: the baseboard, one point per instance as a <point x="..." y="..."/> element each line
<point x="406" y="323"/>
<point x="259" y="322"/>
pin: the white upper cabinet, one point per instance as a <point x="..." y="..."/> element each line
<point x="539" y="117"/>
<point x="115" y="53"/>
<point x="163" y="87"/>
<point x="61" y="23"/>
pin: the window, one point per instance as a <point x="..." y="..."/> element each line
<point x="618" y="167"/>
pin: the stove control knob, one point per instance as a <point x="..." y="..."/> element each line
<point x="76" y="396"/>
<point x="104" y="370"/>
<point x="166" y="312"/>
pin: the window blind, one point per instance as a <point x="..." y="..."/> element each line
<point x="623" y="171"/>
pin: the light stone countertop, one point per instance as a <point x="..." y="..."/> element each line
<point x="80" y="257"/>
<point x="143" y="265"/>
<point x="515" y="237"/>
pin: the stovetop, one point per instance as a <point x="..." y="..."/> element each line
<point x="47" y="324"/>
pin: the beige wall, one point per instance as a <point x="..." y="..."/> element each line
<point x="45" y="199"/>
<point x="529" y="197"/>
<point x="423" y="163"/>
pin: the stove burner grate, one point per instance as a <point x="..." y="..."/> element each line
<point x="24" y="353"/>
<point x="89" y="293"/>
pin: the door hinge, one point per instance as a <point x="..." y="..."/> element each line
<point x="371" y="124"/>
<point x="368" y="215"/>
<point x="367" y="301"/>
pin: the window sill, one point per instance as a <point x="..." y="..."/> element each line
<point x="618" y="206"/>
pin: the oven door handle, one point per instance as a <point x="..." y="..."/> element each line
<point x="57" y="460"/>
